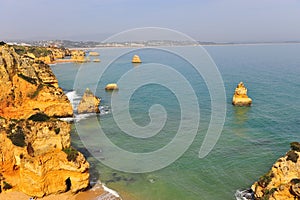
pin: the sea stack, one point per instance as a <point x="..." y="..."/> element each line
<point x="240" y="97"/>
<point x="136" y="59"/>
<point x="111" y="86"/>
<point x="89" y="103"/>
<point x="282" y="182"/>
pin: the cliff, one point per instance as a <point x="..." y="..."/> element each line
<point x="282" y="182"/>
<point x="240" y="97"/>
<point x="37" y="158"/>
<point x="89" y="103"/>
<point x="28" y="86"/>
<point x="35" y="153"/>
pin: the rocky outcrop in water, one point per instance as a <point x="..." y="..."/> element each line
<point x="282" y="182"/>
<point x="240" y="97"/>
<point x="35" y="153"/>
<point x="28" y="87"/>
<point x="78" y="56"/>
<point x="111" y="86"/>
<point x="89" y="103"/>
<point x="136" y="59"/>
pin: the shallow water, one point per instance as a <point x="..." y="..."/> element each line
<point x="253" y="138"/>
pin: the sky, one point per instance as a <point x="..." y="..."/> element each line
<point x="203" y="20"/>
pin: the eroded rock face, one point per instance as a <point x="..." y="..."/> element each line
<point x="240" y="97"/>
<point x="28" y="87"/>
<point x="37" y="158"/>
<point x="35" y="153"/>
<point x="282" y="182"/>
<point x="89" y="103"/>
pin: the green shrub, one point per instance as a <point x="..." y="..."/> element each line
<point x="71" y="153"/>
<point x="57" y="130"/>
<point x="292" y="155"/>
<point x="265" y="179"/>
<point x="39" y="117"/>
<point x="6" y="186"/>
<point x="27" y="78"/>
<point x="295" y="146"/>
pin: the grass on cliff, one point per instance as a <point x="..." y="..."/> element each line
<point x="37" y="51"/>
<point x="71" y="153"/>
<point x="265" y="179"/>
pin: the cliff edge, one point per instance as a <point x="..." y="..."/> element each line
<point x="282" y="182"/>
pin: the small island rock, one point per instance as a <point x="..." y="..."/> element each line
<point x="136" y="59"/>
<point x="89" y="103"/>
<point x="93" y="53"/>
<point x="111" y="86"/>
<point x="240" y="97"/>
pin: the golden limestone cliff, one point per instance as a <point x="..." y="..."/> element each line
<point x="240" y="97"/>
<point x="28" y="87"/>
<point x="35" y="153"/>
<point x="89" y="103"/>
<point x="282" y="182"/>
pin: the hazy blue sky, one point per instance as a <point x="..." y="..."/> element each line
<point x="205" y="20"/>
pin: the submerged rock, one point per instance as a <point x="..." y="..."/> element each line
<point x="111" y="86"/>
<point x="136" y="59"/>
<point x="89" y="103"/>
<point x="282" y="182"/>
<point x="240" y="97"/>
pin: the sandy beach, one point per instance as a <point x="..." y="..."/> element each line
<point x="95" y="193"/>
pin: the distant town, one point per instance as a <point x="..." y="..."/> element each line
<point x="153" y="43"/>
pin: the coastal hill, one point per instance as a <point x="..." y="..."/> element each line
<point x="35" y="147"/>
<point x="28" y="87"/>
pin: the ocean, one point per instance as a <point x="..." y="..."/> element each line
<point x="252" y="138"/>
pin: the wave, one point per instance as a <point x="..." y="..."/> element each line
<point x="74" y="99"/>
<point x="247" y="194"/>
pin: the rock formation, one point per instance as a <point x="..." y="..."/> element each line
<point x="96" y="60"/>
<point x="93" y="53"/>
<point x="282" y="182"/>
<point x="35" y="153"/>
<point x="89" y="103"/>
<point x="37" y="158"/>
<point x="28" y="87"/>
<point x="111" y="86"/>
<point x="78" y="56"/>
<point x="240" y="97"/>
<point x="136" y="59"/>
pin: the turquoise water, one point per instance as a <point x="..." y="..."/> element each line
<point x="252" y="138"/>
